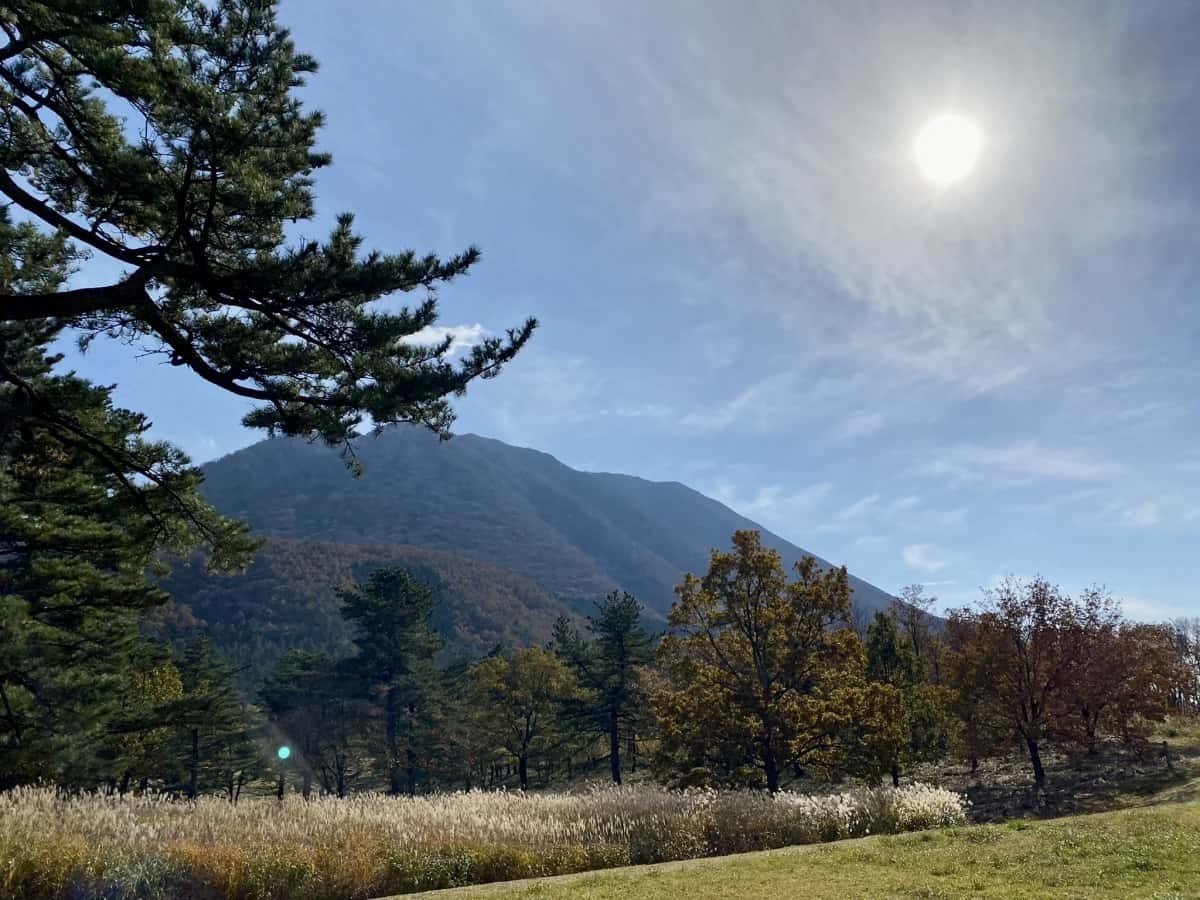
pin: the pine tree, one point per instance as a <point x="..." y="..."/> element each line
<point x="166" y="137"/>
<point x="612" y="699"/>
<point x="318" y="708"/>
<point x="396" y="643"/>
<point x="86" y="505"/>
<point x="215" y="746"/>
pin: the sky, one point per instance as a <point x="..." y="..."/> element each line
<point x="746" y="284"/>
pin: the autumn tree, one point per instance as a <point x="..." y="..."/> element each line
<point x="762" y="673"/>
<point x="518" y="701"/>
<point x="396" y="643"/>
<point x="607" y="665"/>
<point x="142" y="728"/>
<point x="1099" y="664"/>
<point x="1152" y="676"/>
<point x="1185" y="638"/>
<point x="923" y="716"/>
<point x="914" y="615"/>
<point x="167" y="139"/>
<point x="1021" y="638"/>
<point x="981" y="729"/>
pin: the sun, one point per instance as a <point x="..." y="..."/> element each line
<point x="947" y="148"/>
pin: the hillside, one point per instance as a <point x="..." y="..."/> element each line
<point x="574" y="534"/>
<point x="288" y="599"/>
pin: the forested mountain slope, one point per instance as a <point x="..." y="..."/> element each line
<point x="575" y="534"/>
<point x="288" y="599"/>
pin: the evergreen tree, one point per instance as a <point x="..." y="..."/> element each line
<point x="318" y="709"/>
<point x="396" y="642"/>
<point x="166" y="137"/>
<point x="215" y="744"/>
<point x="607" y="668"/>
<point x="86" y="505"/>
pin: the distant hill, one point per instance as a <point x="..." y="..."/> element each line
<point x="288" y="600"/>
<point x="575" y="535"/>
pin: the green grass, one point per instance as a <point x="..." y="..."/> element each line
<point x="1151" y="852"/>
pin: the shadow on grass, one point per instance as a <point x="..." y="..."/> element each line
<point x="1112" y="778"/>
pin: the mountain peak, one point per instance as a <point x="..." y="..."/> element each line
<point x="575" y="534"/>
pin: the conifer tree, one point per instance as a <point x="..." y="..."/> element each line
<point x="318" y="708"/>
<point x="166" y="138"/>
<point x="215" y="744"/>
<point x="607" y="666"/>
<point x="87" y="503"/>
<point x="396" y="643"/>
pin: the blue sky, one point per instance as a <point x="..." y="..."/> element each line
<point x="745" y="284"/>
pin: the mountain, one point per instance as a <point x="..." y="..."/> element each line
<point x="288" y="599"/>
<point x="574" y="535"/>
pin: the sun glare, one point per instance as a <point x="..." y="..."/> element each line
<point x="947" y="148"/>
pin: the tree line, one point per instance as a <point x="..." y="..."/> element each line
<point x="760" y="679"/>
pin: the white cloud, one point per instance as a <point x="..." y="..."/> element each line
<point x="1017" y="463"/>
<point x="775" y="505"/>
<point x="760" y="406"/>
<point x="859" y="425"/>
<point x="462" y="337"/>
<point x="860" y="508"/>
<point x="1144" y="515"/>
<point x="924" y="558"/>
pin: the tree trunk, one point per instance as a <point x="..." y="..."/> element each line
<point x="1035" y="757"/>
<point x="895" y="775"/>
<point x="523" y="770"/>
<point x="306" y="783"/>
<point x="194" y="765"/>
<point x="614" y="745"/>
<point x="391" y="738"/>
<point x="974" y="764"/>
<point x="410" y="771"/>
<point x="281" y="786"/>
<point x="124" y="786"/>
<point x="771" y="768"/>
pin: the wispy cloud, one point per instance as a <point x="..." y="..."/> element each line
<point x="1020" y="462"/>
<point x="1143" y="515"/>
<point x="859" y="425"/>
<point x="925" y="558"/>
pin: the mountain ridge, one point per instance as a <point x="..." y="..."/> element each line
<point x="573" y="533"/>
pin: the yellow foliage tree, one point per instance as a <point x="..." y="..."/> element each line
<point x="761" y="673"/>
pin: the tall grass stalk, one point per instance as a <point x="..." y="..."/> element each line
<point x="58" y="846"/>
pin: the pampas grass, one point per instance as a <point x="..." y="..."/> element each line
<point x="58" y="846"/>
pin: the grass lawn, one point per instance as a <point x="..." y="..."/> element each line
<point x="1144" y="852"/>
